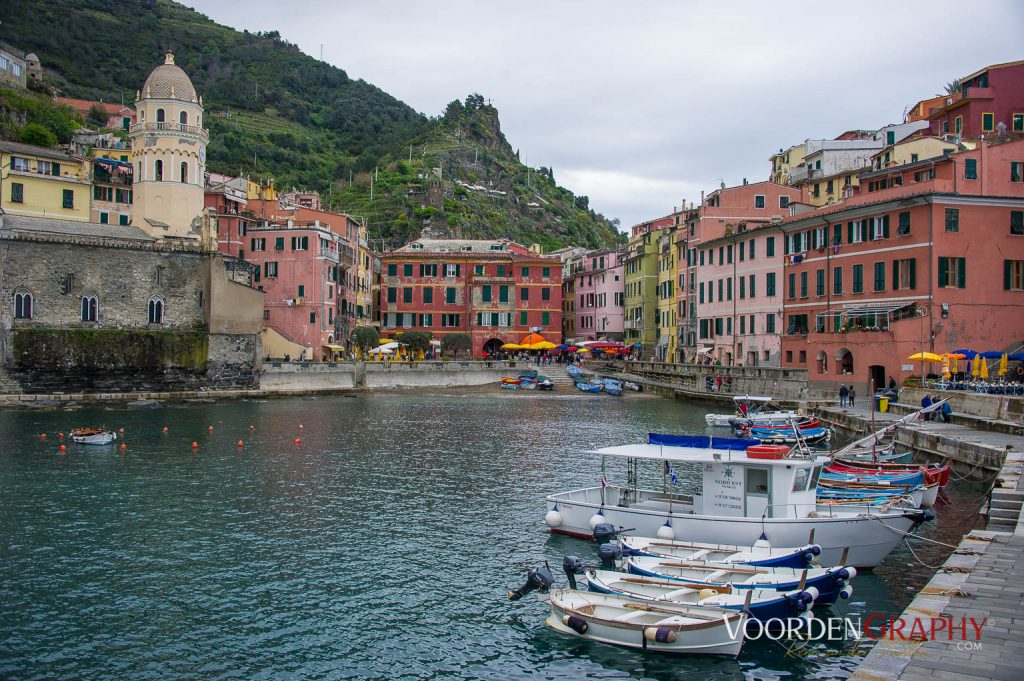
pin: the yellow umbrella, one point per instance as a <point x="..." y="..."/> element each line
<point x="976" y="366"/>
<point x="1002" y="365"/>
<point x="511" y="346"/>
<point x="983" y="374"/>
<point x="543" y="345"/>
<point x="955" y="368"/>
<point x="926" y="357"/>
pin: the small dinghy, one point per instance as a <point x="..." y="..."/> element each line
<point x="764" y="605"/>
<point x="574" y="371"/>
<point x="751" y="407"/>
<point x="93" y="436"/>
<point x="663" y="626"/>
<point x="828" y="581"/>
<point x="932" y="472"/>
<point x="798" y="558"/>
<point x="589" y="387"/>
<point x="612" y="386"/>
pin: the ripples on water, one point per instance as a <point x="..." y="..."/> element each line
<point x="381" y="547"/>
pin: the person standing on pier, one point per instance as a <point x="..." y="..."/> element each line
<point x="852" y="395"/>
<point x="926" y="402"/>
<point x="844" y="392"/>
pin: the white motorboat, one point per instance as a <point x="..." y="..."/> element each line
<point x="663" y="626"/>
<point x="745" y="491"/>
<point x="751" y="407"/>
<point x="93" y="436"/>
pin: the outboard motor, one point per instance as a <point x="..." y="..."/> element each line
<point x="572" y="566"/>
<point x="604" y="533"/>
<point x="538" y="578"/>
<point x="608" y="553"/>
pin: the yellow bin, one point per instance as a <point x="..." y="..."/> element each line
<point x="883" y="404"/>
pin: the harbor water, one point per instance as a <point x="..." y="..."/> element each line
<point x="380" y="545"/>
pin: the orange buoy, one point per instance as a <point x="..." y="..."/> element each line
<point x="239" y="444"/>
<point x="195" y="445"/>
<point x="62" y="448"/>
<point x="42" y="436"/>
<point x="60" y="436"/>
<point x="298" y="441"/>
<point x="123" y="447"/>
<point x="165" y="429"/>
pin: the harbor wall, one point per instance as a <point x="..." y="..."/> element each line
<point x="784" y="384"/>
<point x="318" y="377"/>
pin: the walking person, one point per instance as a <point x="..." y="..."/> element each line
<point x="844" y="393"/>
<point x="852" y="396"/>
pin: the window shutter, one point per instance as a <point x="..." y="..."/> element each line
<point x="1006" y="274"/>
<point x="458" y="270"/>
<point x="961" y="271"/>
<point x="885" y="227"/>
<point x="895" y="274"/>
<point x="913" y="273"/>
<point x="849" y="233"/>
<point x="943" y="272"/>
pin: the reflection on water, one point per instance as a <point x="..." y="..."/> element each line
<point x="381" y="546"/>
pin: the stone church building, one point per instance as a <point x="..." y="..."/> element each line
<point x="150" y="306"/>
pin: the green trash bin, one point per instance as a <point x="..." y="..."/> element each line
<point x="883" y="404"/>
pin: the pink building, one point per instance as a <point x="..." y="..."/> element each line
<point x="598" y="284"/>
<point x="930" y="256"/>
<point x="988" y="97"/>
<point x="733" y="267"/>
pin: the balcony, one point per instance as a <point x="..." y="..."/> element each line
<point x="171" y="127"/>
<point x="797" y="174"/>
<point x="330" y="255"/>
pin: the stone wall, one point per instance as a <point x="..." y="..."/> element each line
<point x="780" y="383"/>
<point x="314" y="376"/>
<point x="233" y="361"/>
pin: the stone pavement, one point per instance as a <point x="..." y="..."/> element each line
<point x="978" y="581"/>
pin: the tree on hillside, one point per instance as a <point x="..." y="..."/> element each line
<point x="453" y="342"/>
<point x="365" y="338"/>
<point x="97" y="116"/>
<point x="36" y="134"/>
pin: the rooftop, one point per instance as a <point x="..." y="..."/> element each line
<point x="32" y="150"/>
<point x="169" y="81"/>
<point x="54" y="226"/>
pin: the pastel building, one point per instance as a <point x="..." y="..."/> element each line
<point x="933" y="261"/>
<point x="597" y="284"/>
<point x="641" y="327"/>
<point x="733" y="265"/>
<point x="43" y="183"/>
<point x="988" y="98"/>
<point x="496" y="291"/>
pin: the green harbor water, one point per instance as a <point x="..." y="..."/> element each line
<point x="381" y="546"/>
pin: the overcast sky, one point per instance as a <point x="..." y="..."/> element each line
<point x="641" y="105"/>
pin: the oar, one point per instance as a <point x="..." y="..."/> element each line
<point x="696" y="586"/>
<point x="803" y="581"/>
<point x="705" y="566"/>
<point x="842" y="558"/>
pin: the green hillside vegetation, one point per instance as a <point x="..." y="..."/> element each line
<point x="463" y="178"/>
<point x="35" y="119"/>
<point x="274" y="112"/>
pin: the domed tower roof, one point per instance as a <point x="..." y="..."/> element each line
<point x="168" y="81"/>
<point x="31" y="56"/>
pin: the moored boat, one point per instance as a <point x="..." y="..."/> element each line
<point x="93" y="436"/>
<point x="739" y="498"/>
<point x="751" y="407"/>
<point x="764" y="604"/>
<point x="764" y="555"/>
<point x="589" y="387"/>
<point x="612" y="386"/>
<point x="663" y="627"/>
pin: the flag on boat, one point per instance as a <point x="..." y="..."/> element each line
<point x="672" y="475"/>
<point x="604" y="478"/>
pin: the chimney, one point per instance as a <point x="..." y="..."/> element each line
<point x="744" y="182"/>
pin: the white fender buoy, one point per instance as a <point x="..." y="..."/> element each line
<point x="660" y="635"/>
<point x="666" y="532"/>
<point x="852" y="571"/>
<point x="762" y="543"/>
<point x="553" y="518"/>
<point x="846" y="591"/>
<point x="808" y="615"/>
<point x="813" y="592"/>
<point x="597" y="519"/>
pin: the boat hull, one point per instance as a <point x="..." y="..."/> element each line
<point x="98" y="439"/>
<point x="869" y="535"/>
<point x="714" y="637"/>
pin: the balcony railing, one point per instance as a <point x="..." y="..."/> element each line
<point x="170" y="127"/>
<point x="330" y="255"/>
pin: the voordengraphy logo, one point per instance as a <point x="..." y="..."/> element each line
<point x="875" y="627"/>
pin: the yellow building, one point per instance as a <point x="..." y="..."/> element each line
<point x="914" y="150"/>
<point x="641" y="323"/>
<point x="665" y="333"/>
<point x="40" y="182"/>
<point x="112" y="175"/>
<point x="784" y="161"/>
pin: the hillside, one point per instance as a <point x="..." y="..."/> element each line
<point x="276" y="112"/>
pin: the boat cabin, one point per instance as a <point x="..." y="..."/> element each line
<point x="739" y="478"/>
